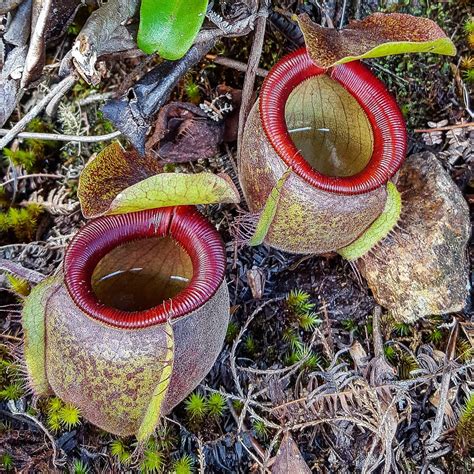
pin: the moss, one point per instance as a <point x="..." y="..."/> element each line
<point x="216" y="404"/>
<point x="23" y="222"/>
<point x="196" y="406"/>
<point x="121" y="451"/>
<point x="22" y="158"/>
<point x="464" y="434"/>
<point x="18" y="285"/>
<point x="183" y="465"/>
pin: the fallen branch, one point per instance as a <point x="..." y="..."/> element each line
<point x="249" y="81"/>
<point x="234" y="64"/>
<point x="443" y="129"/>
<point x="30" y="176"/>
<point x="58" y="137"/>
<point x="58" y="89"/>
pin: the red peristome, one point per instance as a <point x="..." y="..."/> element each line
<point x="184" y="224"/>
<point x="381" y="109"/>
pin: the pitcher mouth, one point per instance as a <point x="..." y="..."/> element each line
<point x="383" y="114"/>
<point x="184" y="224"/>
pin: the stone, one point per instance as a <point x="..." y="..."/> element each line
<point x="421" y="267"/>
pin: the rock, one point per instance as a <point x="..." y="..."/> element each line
<point x="421" y="268"/>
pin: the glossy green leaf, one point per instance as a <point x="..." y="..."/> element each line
<point x="169" y="27"/>
<point x="269" y="211"/>
<point x="377" y="35"/>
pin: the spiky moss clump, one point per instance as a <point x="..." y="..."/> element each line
<point x="11" y="384"/>
<point x="80" y="467"/>
<point x="18" y="285"/>
<point x="23" y="222"/>
<point x="62" y="416"/>
<point x="183" y="465"/>
<point x="196" y="406"/>
<point x="6" y="461"/>
<point x="121" y="451"/>
<point x="216" y="404"/>
<point x="464" y="434"/>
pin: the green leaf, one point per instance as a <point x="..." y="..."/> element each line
<point x="269" y="211"/>
<point x="34" y="330"/>
<point x="377" y="35"/>
<point x="175" y="189"/>
<point x="379" y="229"/>
<point x="153" y="412"/>
<point x="117" y="182"/>
<point x="169" y="27"/>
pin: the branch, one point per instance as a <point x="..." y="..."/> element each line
<point x="59" y="88"/>
<point x="233" y="64"/>
<point x="249" y="82"/>
<point x="29" y="176"/>
<point x="442" y="129"/>
<point x="58" y="137"/>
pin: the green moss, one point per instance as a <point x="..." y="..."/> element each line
<point x="183" y="465"/>
<point x="69" y="416"/>
<point x="80" y="467"/>
<point x="232" y="331"/>
<point x="298" y="302"/>
<point x="192" y="91"/>
<point x="23" y="158"/>
<point x="23" y="222"/>
<point x="152" y="461"/>
<point x="6" y="461"/>
<point x="18" y="285"/>
<point x="468" y="75"/>
<point x="196" y="406"/>
<point x="402" y="329"/>
<point x="260" y="429"/>
<point x="390" y="353"/>
<point x="465" y="427"/>
<point x="120" y="450"/>
<point x="216" y="404"/>
<point x="250" y="345"/>
<point x="12" y="391"/>
<point x="308" y="321"/>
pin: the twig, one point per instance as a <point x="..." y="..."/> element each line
<point x="378" y="343"/>
<point x="442" y="129"/>
<point x="36" y="49"/>
<point x="15" y="268"/>
<point x="233" y="64"/>
<point x="64" y="85"/>
<point x="58" y="137"/>
<point x="343" y="14"/>
<point x="445" y="382"/>
<point x="15" y="411"/>
<point x="29" y="176"/>
<point x="249" y="81"/>
<point x="233" y="365"/>
<point x="11" y="338"/>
